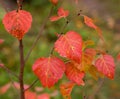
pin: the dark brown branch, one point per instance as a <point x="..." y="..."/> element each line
<point x="34" y="82"/>
<point x="19" y="2"/>
<point x="39" y="34"/>
<point x="22" y="95"/>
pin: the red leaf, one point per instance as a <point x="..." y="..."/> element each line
<point x="1" y="64"/>
<point x="74" y="74"/>
<point x="76" y="1"/>
<point x="54" y="18"/>
<point x="70" y="46"/>
<point x="43" y="96"/>
<point x="17" y="23"/>
<point x="66" y="89"/>
<point x="49" y="70"/>
<point x="30" y="95"/>
<point x="4" y="88"/>
<point x="89" y="22"/>
<point x="62" y="12"/>
<point x="1" y="41"/>
<point x="105" y="64"/>
<point x="55" y="2"/>
<point x="118" y="57"/>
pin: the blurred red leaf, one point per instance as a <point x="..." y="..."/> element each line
<point x="4" y="88"/>
<point x="39" y="89"/>
<point x="55" y="2"/>
<point x="89" y="22"/>
<point x="17" y="23"/>
<point x="61" y="14"/>
<point x="54" y="18"/>
<point x="1" y="41"/>
<point x="66" y="89"/>
<point x="1" y="64"/>
<point x="30" y="95"/>
<point x="74" y="74"/>
<point x="49" y="70"/>
<point x="76" y="1"/>
<point x="43" y="96"/>
<point x="70" y="46"/>
<point x="118" y="57"/>
<point x="105" y="64"/>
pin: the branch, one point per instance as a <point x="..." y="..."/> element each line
<point x="97" y="89"/>
<point x="22" y="95"/>
<point x="61" y="32"/>
<point x="9" y="71"/>
<point x="39" y="35"/>
<point x="19" y="2"/>
<point x="34" y="82"/>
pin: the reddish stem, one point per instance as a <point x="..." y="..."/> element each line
<point x="22" y="95"/>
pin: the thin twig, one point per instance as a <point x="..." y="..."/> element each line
<point x="97" y="89"/>
<point x="34" y="82"/>
<point x="22" y="95"/>
<point x="62" y="29"/>
<point x="39" y="35"/>
<point x="9" y="71"/>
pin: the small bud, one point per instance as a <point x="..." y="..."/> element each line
<point x="55" y="2"/>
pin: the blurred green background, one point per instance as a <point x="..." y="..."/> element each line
<point x="105" y="13"/>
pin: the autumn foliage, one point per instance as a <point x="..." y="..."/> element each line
<point x="81" y="59"/>
<point x="17" y="23"/>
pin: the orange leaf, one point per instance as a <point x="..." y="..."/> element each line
<point x="99" y="33"/>
<point x="74" y="74"/>
<point x="70" y="46"/>
<point x="30" y="95"/>
<point x="49" y="70"/>
<point x="61" y="14"/>
<point x="118" y="57"/>
<point x="4" y="88"/>
<point x="105" y="64"/>
<point x="17" y="23"/>
<point x="66" y="89"/>
<point x="89" y="22"/>
<point x="54" y="18"/>
<point x="87" y="59"/>
<point x="94" y="72"/>
<point x="43" y="96"/>
<point x="87" y="43"/>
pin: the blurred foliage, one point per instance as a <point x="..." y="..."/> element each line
<point x="106" y="16"/>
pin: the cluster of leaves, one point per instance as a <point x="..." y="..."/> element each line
<point x="28" y="94"/>
<point x="81" y="59"/>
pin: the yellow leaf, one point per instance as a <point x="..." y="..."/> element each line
<point x="88" y="43"/>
